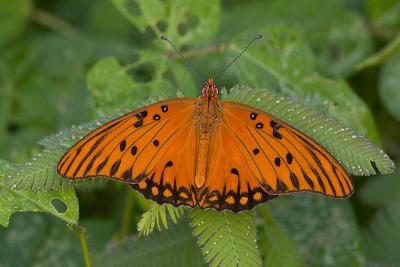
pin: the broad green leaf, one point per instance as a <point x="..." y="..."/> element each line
<point x="381" y="190"/>
<point x="113" y="89"/>
<point x="385" y="14"/>
<point x="324" y="229"/>
<point x="226" y="238"/>
<point x="158" y="216"/>
<point x="389" y="85"/>
<point x="184" y="21"/>
<point x="383" y="234"/>
<point x="277" y="245"/>
<point x="174" y="247"/>
<point x="281" y="61"/>
<point x="338" y="36"/>
<point x="14" y="15"/>
<point x="62" y="203"/>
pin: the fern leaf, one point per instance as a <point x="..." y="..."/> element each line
<point x="358" y="155"/>
<point x="157" y="216"/>
<point x="225" y="238"/>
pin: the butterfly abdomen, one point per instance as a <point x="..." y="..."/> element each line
<point x="207" y="117"/>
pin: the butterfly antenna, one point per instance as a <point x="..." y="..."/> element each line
<point x="165" y="38"/>
<point x="258" y="36"/>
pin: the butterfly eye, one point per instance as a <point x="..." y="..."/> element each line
<point x="259" y="125"/>
<point x="156" y="117"/>
<point x="164" y="108"/>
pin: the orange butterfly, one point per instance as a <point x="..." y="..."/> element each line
<point x="208" y="153"/>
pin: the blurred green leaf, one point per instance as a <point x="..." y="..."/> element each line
<point x="383" y="234"/>
<point x="385" y="14"/>
<point x="36" y="240"/>
<point x="389" y="86"/>
<point x="226" y="238"/>
<point x="113" y="89"/>
<point x="380" y="191"/>
<point x="62" y="204"/>
<point x="281" y="61"/>
<point x="174" y="247"/>
<point x="14" y="15"/>
<point x="184" y="21"/>
<point x="277" y="245"/>
<point x="338" y="36"/>
<point x="324" y="229"/>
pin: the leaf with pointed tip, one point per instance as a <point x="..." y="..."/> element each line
<point x="62" y="203"/>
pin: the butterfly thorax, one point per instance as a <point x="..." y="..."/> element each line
<point x="208" y="113"/>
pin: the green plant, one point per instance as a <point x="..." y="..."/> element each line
<point x="297" y="73"/>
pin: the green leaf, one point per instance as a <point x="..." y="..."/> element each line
<point x="39" y="173"/>
<point x="156" y="216"/>
<point x="324" y="229"/>
<point x="174" y="247"/>
<point x="381" y="190"/>
<point x="389" y="86"/>
<point x="282" y="61"/>
<point x="113" y="89"/>
<point x="382" y="235"/>
<point x="33" y="239"/>
<point x="226" y="238"/>
<point x="277" y="245"/>
<point x="13" y="17"/>
<point x="357" y="155"/>
<point x="62" y="203"/>
<point x="338" y="36"/>
<point x="184" y="21"/>
<point x="385" y="14"/>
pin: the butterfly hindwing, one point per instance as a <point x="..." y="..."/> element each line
<point x="281" y="157"/>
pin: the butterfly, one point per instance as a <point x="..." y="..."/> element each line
<point x="206" y="153"/>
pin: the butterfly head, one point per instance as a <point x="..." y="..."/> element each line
<point x="209" y="89"/>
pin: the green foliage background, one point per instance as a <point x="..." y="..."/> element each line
<point x="66" y="63"/>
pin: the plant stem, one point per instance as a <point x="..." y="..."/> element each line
<point x="82" y="238"/>
<point x="126" y="215"/>
<point x="381" y="55"/>
<point x="50" y="21"/>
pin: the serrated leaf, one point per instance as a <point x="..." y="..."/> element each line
<point x="389" y="82"/>
<point x="383" y="234"/>
<point x="174" y="247"/>
<point x="157" y="216"/>
<point x="39" y="173"/>
<point x="357" y="155"/>
<point x="62" y="203"/>
<point x="281" y="61"/>
<point x="277" y="246"/>
<point x="226" y="238"/>
<point x="324" y="229"/>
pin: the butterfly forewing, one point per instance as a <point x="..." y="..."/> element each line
<point x="129" y="147"/>
<point x="282" y="158"/>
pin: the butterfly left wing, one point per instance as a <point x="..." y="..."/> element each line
<point x="257" y="157"/>
<point x="142" y="148"/>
